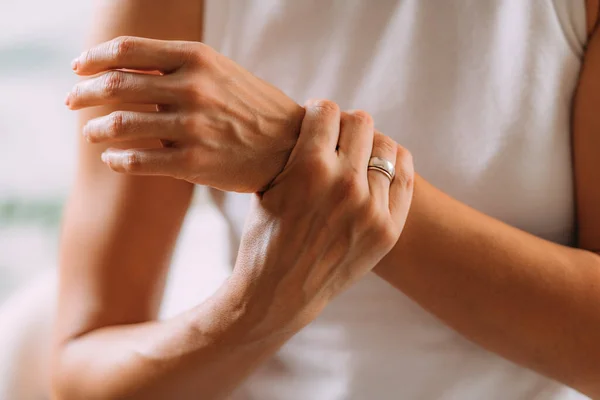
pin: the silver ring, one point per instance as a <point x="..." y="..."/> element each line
<point x="382" y="165"/>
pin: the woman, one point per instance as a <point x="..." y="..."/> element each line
<point x="479" y="92"/>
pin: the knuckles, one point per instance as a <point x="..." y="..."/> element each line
<point x="131" y="162"/>
<point x="326" y="108"/>
<point x="113" y="83"/>
<point x="358" y="117"/>
<point x="405" y="173"/>
<point x="121" y="47"/>
<point x="384" y="145"/>
<point x="404" y="154"/>
<point x="199" y="53"/>
<point x="342" y="194"/>
<point x="116" y="124"/>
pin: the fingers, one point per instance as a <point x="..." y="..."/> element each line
<point x="118" y="87"/>
<point x="129" y="125"/>
<point x="356" y="139"/>
<point x="320" y="127"/>
<point x="379" y="184"/>
<point x="128" y="52"/>
<point x="401" y="190"/>
<point x="165" y="161"/>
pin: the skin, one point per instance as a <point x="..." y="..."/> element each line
<point x="200" y="90"/>
<point x="524" y="298"/>
<point x="293" y="256"/>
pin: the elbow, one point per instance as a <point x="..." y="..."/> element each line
<point x="59" y="382"/>
<point x="68" y="379"/>
<point x="80" y="374"/>
<point x="62" y="389"/>
<point x="63" y="385"/>
<point x="69" y="387"/>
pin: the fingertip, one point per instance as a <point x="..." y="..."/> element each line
<point x="111" y="156"/>
<point x="309" y="103"/>
<point x="71" y="98"/>
<point x="314" y="104"/>
<point x="78" y="64"/>
<point x="71" y="103"/>
<point x="116" y="160"/>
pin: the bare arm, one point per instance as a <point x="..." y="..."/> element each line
<point x="284" y="277"/>
<point x="119" y="229"/>
<point x="118" y="235"/>
<point x="527" y="299"/>
<point x="524" y="298"/>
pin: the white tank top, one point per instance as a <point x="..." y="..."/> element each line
<point x="480" y="92"/>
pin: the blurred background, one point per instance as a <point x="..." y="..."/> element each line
<point x="38" y="39"/>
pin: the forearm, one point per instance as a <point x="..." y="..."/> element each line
<point x="204" y="353"/>
<point x="525" y="298"/>
<point x="119" y="231"/>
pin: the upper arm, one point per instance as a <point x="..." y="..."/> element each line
<point x="119" y="230"/>
<point x="586" y="139"/>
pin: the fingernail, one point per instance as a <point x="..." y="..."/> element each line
<point x="86" y="136"/>
<point x="75" y="64"/>
<point x="68" y="99"/>
<point x="115" y="158"/>
<point x="85" y="130"/>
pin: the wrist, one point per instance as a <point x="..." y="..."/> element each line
<point x="267" y="308"/>
<point x="237" y="315"/>
<point x="287" y="136"/>
<point x="294" y="123"/>
<point x="283" y="136"/>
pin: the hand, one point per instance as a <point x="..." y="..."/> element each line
<point x="223" y="126"/>
<point x="325" y="221"/>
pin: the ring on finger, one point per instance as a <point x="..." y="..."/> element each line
<point x="382" y="165"/>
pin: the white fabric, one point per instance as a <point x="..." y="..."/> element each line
<point x="26" y="321"/>
<point x="480" y="92"/>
